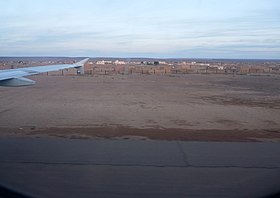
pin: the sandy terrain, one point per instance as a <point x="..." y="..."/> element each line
<point x="172" y="107"/>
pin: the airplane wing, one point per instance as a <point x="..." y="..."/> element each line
<point x="15" y="77"/>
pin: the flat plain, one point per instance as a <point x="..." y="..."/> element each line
<point x="165" y="107"/>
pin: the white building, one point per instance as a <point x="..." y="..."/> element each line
<point x="103" y="62"/>
<point x="117" y="62"/>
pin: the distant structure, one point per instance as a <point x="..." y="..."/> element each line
<point x="117" y="62"/>
<point x="103" y="62"/>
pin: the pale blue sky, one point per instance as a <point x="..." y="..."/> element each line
<point x="146" y="28"/>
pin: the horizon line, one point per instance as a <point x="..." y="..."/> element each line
<point x="140" y="57"/>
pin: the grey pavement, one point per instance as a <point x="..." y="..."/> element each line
<point x="54" y="167"/>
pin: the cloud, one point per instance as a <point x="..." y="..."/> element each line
<point x="159" y="28"/>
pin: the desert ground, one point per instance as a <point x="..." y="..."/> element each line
<point x="165" y="107"/>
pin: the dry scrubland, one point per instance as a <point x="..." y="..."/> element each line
<point x="169" y="107"/>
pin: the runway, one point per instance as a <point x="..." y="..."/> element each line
<point x="57" y="167"/>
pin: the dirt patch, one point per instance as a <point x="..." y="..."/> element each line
<point x="122" y="132"/>
<point x="188" y="107"/>
<point x="266" y="102"/>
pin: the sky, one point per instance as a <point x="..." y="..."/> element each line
<point x="240" y="29"/>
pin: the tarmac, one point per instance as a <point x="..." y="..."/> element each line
<point x="60" y="167"/>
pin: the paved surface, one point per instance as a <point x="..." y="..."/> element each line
<point x="49" y="167"/>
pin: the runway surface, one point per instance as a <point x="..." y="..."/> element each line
<point x="54" y="167"/>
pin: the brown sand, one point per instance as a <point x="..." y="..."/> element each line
<point x="176" y="107"/>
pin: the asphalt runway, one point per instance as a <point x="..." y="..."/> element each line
<point x="57" y="167"/>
